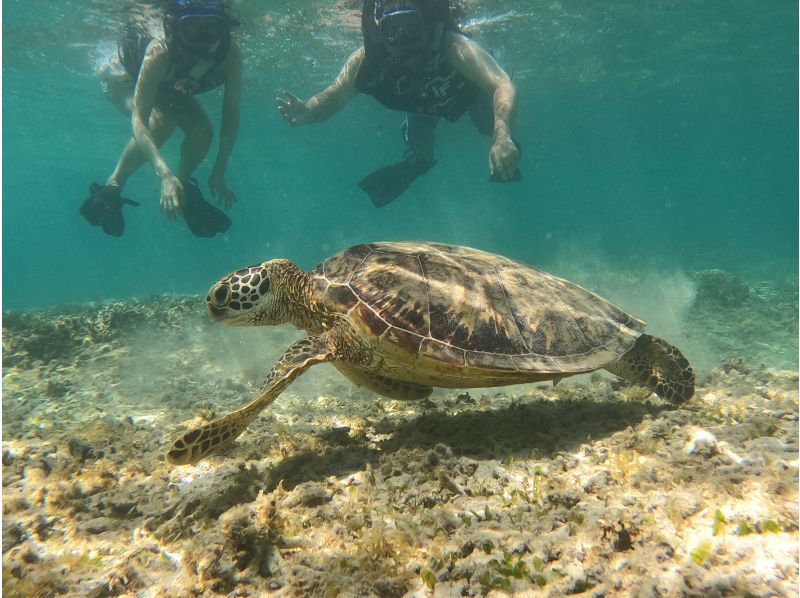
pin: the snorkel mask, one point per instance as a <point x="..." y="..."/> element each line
<point x="403" y="26"/>
<point x="199" y="26"/>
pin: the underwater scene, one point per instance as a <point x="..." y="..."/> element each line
<point x="400" y="298"/>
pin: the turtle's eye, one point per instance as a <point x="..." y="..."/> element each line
<point x="221" y="294"/>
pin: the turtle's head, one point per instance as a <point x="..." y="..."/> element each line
<point x="250" y="296"/>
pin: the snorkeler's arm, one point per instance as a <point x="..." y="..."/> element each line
<point x="154" y="68"/>
<point x="229" y="127"/>
<point x="327" y="102"/>
<point x="477" y="65"/>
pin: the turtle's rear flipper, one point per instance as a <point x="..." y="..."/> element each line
<point x="656" y="364"/>
<point x="199" y="443"/>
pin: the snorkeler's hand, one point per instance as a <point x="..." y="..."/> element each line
<point x="504" y="160"/>
<point x="171" y="196"/>
<point x="217" y="187"/>
<point x="294" y="110"/>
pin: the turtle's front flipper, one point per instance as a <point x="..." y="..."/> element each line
<point x="196" y="444"/>
<point x="656" y="364"/>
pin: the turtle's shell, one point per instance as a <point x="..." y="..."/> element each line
<point x="455" y="314"/>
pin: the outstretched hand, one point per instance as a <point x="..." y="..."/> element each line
<point x="171" y="196"/>
<point x="504" y="160"/>
<point x="294" y="110"/>
<point x="218" y="187"/>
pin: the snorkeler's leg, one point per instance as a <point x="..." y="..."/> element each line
<point x="194" y="122"/>
<point x="103" y="207"/>
<point x="202" y="218"/>
<point x="386" y="184"/>
<point x="161" y="126"/>
<point x="419" y="133"/>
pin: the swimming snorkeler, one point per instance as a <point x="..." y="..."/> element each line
<point x="415" y="59"/>
<point x="155" y="79"/>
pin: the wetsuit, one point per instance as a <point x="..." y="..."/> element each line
<point x="426" y="92"/>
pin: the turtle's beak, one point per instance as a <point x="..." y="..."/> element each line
<point x="216" y="312"/>
<point x="229" y="316"/>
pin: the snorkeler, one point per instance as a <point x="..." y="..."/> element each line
<point x="415" y="59"/>
<point x="155" y="80"/>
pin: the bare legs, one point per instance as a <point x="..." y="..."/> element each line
<point x="161" y="127"/>
<point x="186" y="113"/>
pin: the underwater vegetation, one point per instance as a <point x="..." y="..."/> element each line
<point x="592" y="486"/>
<point x="756" y="317"/>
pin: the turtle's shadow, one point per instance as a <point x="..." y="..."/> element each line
<point x="538" y="428"/>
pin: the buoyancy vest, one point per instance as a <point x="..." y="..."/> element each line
<point x="432" y="86"/>
<point x="188" y="75"/>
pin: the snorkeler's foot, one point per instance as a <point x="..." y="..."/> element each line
<point x="103" y="208"/>
<point x="386" y="184"/>
<point x="203" y="219"/>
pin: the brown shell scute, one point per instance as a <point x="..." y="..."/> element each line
<point x="342" y="296"/>
<point x="374" y="323"/>
<point x="481" y="319"/>
<point x="391" y="284"/>
<point x="340" y="267"/>
<point x="465" y="308"/>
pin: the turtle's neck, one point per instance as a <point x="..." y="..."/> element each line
<point x="293" y="287"/>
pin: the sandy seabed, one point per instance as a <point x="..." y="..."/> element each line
<point x="591" y="487"/>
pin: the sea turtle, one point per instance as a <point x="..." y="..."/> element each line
<point x="402" y="318"/>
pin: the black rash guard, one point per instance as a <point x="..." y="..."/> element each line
<point x="434" y="88"/>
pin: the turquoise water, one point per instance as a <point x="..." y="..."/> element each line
<point x="657" y="136"/>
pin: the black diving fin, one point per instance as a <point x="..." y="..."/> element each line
<point x="103" y="208"/>
<point x="386" y="184"/>
<point x="203" y="219"/>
